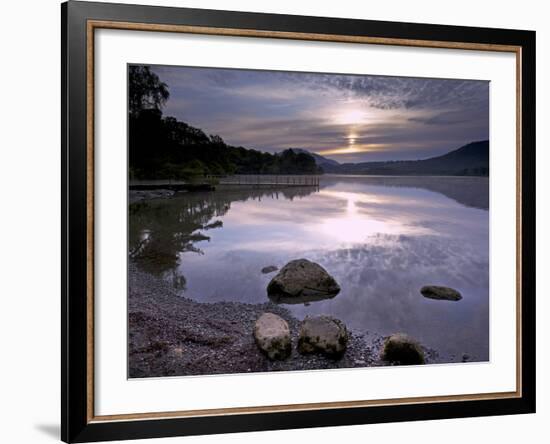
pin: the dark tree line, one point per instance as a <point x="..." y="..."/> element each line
<point x="164" y="147"/>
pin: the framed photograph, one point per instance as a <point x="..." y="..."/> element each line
<point x="275" y="221"/>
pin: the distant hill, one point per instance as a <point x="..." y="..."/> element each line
<point x="469" y="160"/>
<point x="319" y="160"/>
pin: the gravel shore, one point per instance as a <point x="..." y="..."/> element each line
<point x="170" y="335"/>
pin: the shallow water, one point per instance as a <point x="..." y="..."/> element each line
<point x="382" y="238"/>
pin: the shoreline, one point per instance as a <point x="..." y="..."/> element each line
<point x="171" y="335"/>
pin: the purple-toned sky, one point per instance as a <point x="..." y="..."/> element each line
<point x="348" y="118"/>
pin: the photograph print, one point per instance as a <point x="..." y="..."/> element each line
<point x="291" y="221"/>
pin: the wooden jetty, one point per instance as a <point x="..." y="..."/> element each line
<point x="271" y="180"/>
<point x="209" y="183"/>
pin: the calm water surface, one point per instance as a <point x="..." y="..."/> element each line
<point x="382" y="238"/>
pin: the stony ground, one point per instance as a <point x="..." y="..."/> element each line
<point x="170" y="335"/>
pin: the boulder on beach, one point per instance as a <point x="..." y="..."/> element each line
<point x="403" y="350"/>
<point x="440" y="293"/>
<point x="269" y="269"/>
<point x="323" y="334"/>
<point x="272" y="336"/>
<point x="301" y="281"/>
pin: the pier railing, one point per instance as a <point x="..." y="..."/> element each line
<point x="211" y="181"/>
<point x="286" y="180"/>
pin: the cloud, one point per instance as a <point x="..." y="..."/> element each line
<point x="349" y="116"/>
<point x="446" y="118"/>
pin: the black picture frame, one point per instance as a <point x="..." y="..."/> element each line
<point x="76" y="423"/>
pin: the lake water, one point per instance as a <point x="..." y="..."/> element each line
<point x="382" y="238"/>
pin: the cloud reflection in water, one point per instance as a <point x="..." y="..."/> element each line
<point x="382" y="241"/>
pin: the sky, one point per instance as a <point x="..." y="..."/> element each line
<point x="347" y="118"/>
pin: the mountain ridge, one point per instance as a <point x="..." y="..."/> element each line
<point x="471" y="159"/>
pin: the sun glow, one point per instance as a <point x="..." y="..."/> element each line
<point x="353" y="148"/>
<point x="351" y="139"/>
<point x="351" y="116"/>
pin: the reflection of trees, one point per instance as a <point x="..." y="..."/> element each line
<point x="160" y="230"/>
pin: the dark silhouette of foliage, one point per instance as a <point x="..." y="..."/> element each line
<point x="166" y="148"/>
<point x="146" y="91"/>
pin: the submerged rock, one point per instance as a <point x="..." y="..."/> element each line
<point x="402" y="349"/>
<point x="272" y="336"/>
<point x="323" y="334"/>
<point x="269" y="269"/>
<point x="440" y="293"/>
<point x="301" y="281"/>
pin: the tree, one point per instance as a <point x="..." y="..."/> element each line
<point x="216" y="140"/>
<point x="145" y="90"/>
<point x="166" y="148"/>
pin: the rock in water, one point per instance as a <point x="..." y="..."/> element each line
<point x="269" y="269"/>
<point x="302" y="280"/>
<point x="440" y="293"/>
<point x="272" y="335"/>
<point x="323" y="334"/>
<point x="402" y="349"/>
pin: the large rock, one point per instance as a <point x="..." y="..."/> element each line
<point x="272" y="335"/>
<point x="301" y="281"/>
<point x="402" y="349"/>
<point x="323" y="334"/>
<point x="440" y="293"/>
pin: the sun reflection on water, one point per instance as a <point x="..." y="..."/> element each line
<point x="356" y="223"/>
